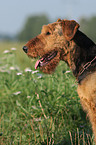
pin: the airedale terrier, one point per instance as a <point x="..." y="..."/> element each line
<point x="62" y="40"/>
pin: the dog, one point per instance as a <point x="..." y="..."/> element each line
<point x="62" y="40"/>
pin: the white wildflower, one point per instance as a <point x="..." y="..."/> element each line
<point x="28" y="97"/>
<point x="12" y="68"/>
<point x="39" y="76"/>
<point x="33" y="72"/>
<point x="67" y="71"/>
<point x="28" y="70"/>
<point x="18" y="74"/>
<point x="6" y="51"/>
<point x="13" y="49"/>
<point x="17" y="93"/>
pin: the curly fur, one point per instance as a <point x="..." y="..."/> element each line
<point x="76" y="49"/>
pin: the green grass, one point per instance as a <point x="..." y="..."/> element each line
<point x="39" y="109"/>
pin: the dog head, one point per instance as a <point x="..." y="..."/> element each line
<point x="52" y="45"/>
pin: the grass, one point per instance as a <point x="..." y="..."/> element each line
<point x="38" y="109"/>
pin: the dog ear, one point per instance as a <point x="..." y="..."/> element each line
<point x="69" y="28"/>
<point x="59" y="20"/>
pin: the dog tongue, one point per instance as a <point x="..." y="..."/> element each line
<point x="37" y="63"/>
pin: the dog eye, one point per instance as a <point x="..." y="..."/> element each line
<point x="48" y="33"/>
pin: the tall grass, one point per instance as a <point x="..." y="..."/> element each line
<point x="38" y="109"/>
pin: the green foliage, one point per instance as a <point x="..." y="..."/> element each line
<point x="32" y="27"/>
<point x="88" y="27"/>
<point x="39" y="109"/>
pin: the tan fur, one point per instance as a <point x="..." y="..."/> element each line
<point x="70" y="44"/>
<point x="87" y="93"/>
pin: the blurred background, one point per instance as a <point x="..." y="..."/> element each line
<point x="39" y="109"/>
<point x="21" y="20"/>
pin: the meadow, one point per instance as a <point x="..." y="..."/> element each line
<point x="38" y="109"/>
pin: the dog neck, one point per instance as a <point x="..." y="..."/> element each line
<point x="88" y="68"/>
<point x="84" y="52"/>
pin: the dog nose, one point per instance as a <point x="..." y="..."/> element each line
<point x="25" y="48"/>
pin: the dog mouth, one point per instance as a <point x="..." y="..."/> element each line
<point x="45" y="59"/>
